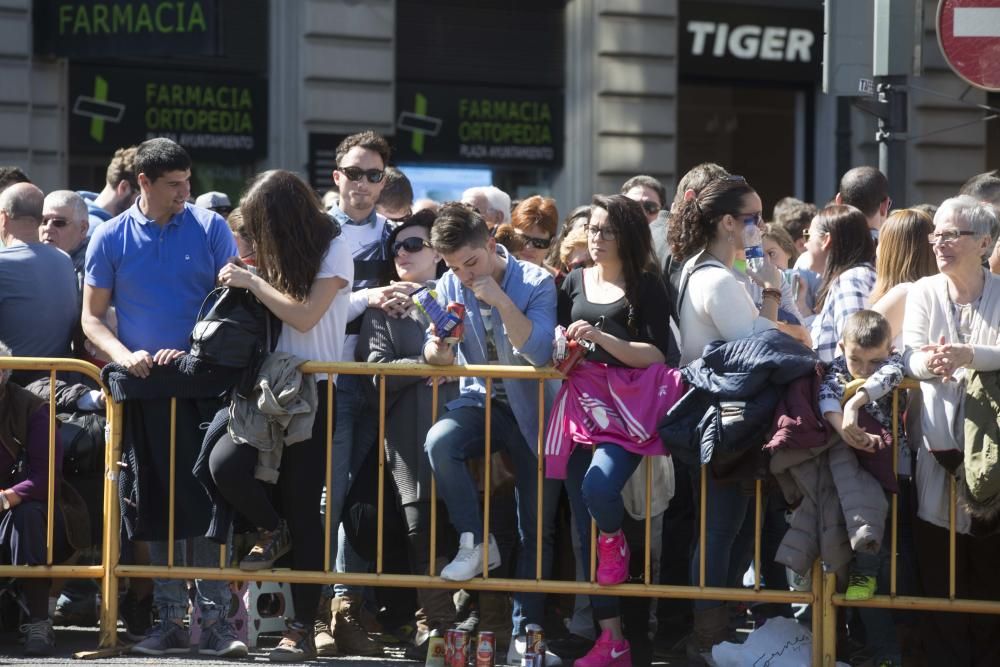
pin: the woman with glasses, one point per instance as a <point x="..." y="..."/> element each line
<point x="950" y="334"/>
<point x="840" y="236"/>
<point x="617" y="307"/>
<point x="713" y="304"/>
<point x="535" y="220"/>
<point x="385" y="339"/>
<point x="304" y="269"/>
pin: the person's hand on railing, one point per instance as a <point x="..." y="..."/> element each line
<point x="138" y="363"/>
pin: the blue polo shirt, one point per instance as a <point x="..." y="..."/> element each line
<point x="158" y="276"/>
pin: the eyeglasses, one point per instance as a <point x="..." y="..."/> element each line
<point x="756" y="218"/>
<point x="534" y="241"/>
<point x="55" y="222"/>
<point x="410" y="245"/>
<point x="650" y="206"/>
<point x="356" y="173"/>
<point x="222" y="210"/>
<point x="806" y="234"/>
<point x="606" y="233"/>
<point x="948" y="236"/>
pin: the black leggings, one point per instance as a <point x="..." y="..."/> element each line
<point x="299" y="487"/>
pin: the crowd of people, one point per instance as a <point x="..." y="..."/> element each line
<point x="704" y="335"/>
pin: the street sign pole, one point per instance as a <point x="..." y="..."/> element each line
<point x="893" y="59"/>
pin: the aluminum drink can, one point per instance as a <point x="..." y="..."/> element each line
<point x="486" y="649"/>
<point x="535" y="640"/>
<point x="456" y="648"/>
<point x="528" y="659"/>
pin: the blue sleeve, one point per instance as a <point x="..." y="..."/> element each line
<point x="541" y="310"/>
<point x="100" y="267"/>
<point x="221" y="241"/>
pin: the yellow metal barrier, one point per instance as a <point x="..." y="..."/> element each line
<point x="822" y="595"/>
<point x="109" y="546"/>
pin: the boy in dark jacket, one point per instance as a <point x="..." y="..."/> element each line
<point x="865" y="353"/>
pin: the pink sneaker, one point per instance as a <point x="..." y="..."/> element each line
<point x="607" y="653"/>
<point x="612" y="559"/>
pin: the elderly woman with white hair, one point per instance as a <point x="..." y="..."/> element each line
<point x="950" y="329"/>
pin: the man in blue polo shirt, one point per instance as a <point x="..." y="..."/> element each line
<point x="155" y="263"/>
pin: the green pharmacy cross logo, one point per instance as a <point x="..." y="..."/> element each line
<point x="98" y="109"/>
<point x="419" y="123"/>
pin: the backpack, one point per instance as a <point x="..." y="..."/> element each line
<point x="238" y="331"/>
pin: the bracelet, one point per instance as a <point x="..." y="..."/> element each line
<point x="771" y="292"/>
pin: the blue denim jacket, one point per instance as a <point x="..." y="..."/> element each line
<point x="533" y="291"/>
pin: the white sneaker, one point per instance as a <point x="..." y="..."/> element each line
<point x="468" y="563"/>
<point x="516" y="652"/>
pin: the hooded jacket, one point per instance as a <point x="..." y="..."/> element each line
<point x="734" y="389"/>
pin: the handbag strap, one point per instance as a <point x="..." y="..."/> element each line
<point x="201" y="310"/>
<point x="686" y="278"/>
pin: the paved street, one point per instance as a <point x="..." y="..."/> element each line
<point x="72" y="640"/>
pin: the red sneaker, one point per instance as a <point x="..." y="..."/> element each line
<point x="607" y="653"/>
<point x="612" y="559"/>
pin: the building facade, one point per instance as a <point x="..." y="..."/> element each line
<point x="567" y="97"/>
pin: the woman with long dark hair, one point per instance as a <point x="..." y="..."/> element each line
<point x="302" y="269"/>
<point x="707" y="233"/>
<point x="845" y="242"/>
<point x="617" y="306"/>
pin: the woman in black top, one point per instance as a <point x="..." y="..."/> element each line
<point x="620" y="306"/>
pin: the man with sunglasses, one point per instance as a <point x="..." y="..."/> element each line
<point x="64" y="225"/>
<point x="649" y="192"/>
<point x="217" y="202"/>
<point x="360" y="179"/>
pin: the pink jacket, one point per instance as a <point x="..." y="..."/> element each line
<point x="599" y="403"/>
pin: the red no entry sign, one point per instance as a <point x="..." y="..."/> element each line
<point x="969" y="35"/>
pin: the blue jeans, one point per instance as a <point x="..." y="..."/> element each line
<point x="356" y="429"/>
<point x="594" y="485"/>
<point x="459" y="436"/>
<point x="727" y="508"/>
<point x="170" y="595"/>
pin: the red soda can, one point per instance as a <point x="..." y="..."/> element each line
<point x="535" y="640"/>
<point x="486" y="649"/>
<point x="456" y="648"/>
<point x="458" y="310"/>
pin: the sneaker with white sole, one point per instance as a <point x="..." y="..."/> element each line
<point x="219" y="639"/>
<point x="516" y="652"/>
<point x="163" y="638"/>
<point x="468" y="562"/>
<point x="39" y="638"/>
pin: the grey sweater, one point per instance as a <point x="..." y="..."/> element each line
<point x="385" y="339"/>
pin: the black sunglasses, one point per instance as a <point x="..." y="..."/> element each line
<point x="534" y="241"/>
<point x="223" y="210"/>
<point x="650" y="207"/>
<point x="410" y="245"/>
<point x="356" y="173"/>
<point x="56" y="222"/>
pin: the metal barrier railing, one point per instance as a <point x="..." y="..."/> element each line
<point x="822" y="595"/>
<point x="109" y="547"/>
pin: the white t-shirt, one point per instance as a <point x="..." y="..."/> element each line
<point x="363" y="245"/>
<point x="325" y="341"/>
<point x="716" y="306"/>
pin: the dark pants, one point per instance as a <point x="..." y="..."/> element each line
<point x="959" y="640"/>
<point x="22" y="538"/>
<point x="299" y="487"/>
